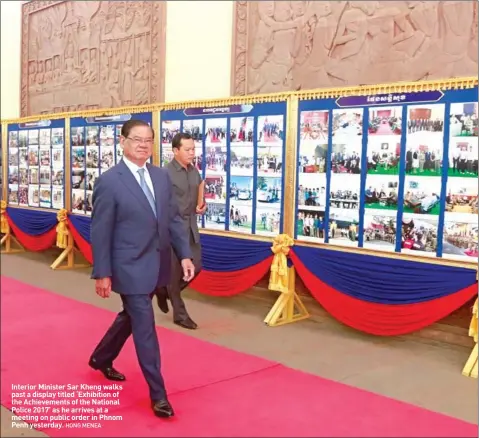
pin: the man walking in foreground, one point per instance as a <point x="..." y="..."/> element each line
<point x="134" y="213"/>
<point x="186" y="182"/>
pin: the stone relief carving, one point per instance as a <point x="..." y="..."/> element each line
<point x="91" y="54"/>
<point x="293" y="45"/>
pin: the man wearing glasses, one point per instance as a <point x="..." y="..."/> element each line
<point x="134" y="213"/>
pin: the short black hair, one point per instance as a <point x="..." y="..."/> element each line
<point x="176" y="142"/>
<point x="130" y="124"/>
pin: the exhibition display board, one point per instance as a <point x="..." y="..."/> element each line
<point x="95" y="148"/>
<point x="240" y="153"/>
<point x="36" y="164"/>
<point x="392" y="172"/>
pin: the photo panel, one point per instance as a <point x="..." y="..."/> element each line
<point x="422" y="195"/>
<point x="34" y="196"/>
<point x="33" y="137"/>
<point x="241" y="204"/>
<point x="169" y="128"/>
<point x="463" y="119"/>
<point x="241" y="131"/>
<point x="425" y="140"/>
<point x="78" y="136"/>
<point x="57" y="197"/>
<point x="46" y="196"/>
<point x="22" y="195"/>
<point x="313" y="144"/>
<point x="270" y="131"/>
<point x="347" y="125"/>
<point x="118" y="147"/>
<point x="78" y="201"/>
<point x="385" y="121"/>
<point x="45" y="137"/>
<point x="13" y="176"/>
<point x="380" y="230"/>
<point x="344" y="209"/>
<point x="57" y="138"/>
<point x="215" y="132"/>
<point x="419" y="234"/>
<point x="384" y="154"/>
<point x="22" y="139"/>
<point x="270" y="161"/>
<point x="463" y="157"/>
<point x="310" y="225"/>
<point x="13" y="194"/>
<point x="107" y="136"/>
<point x="268" y="205"/>
<point x="381" y="192"/>
<point x="194" y="127"/>
<point x="460" y="219"/>
<point x="215" y="196"/>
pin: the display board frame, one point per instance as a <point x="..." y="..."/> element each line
<point x="101" y="124"/>
<point x="255" y="114"/>
<point x="57" y="128"/>
<point x="364" y="103"/>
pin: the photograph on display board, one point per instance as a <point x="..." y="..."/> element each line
<point x="215" y="160"/>
<point x="241" y="131"/>
<point x="313" y="144"/>
<point x="422" y="195"/>
<point x="380" y="230"/>
<point x="57" y="197"/>
<point x="463" y="157"/>
<point x="460" y="220"/>
<point x="347" y="141"/>
<point x="57" y="138"/>
<point x="33" y="137"/>
<point x="169" y="128"/>
<point x="385" y="121"/>
<point x="310" y="225"/>
<point x="347" y="125"/>
<point x="215" y="132"/>
<point x="383" y="154"/>
<point x="195" y="129"/>
<point x="107" y="147"/>
<point x="13" y="177"/>
<point x="215" y="196"/>
<point x="344" y="209"/>
<point x="270" y="131"/>
<point x="22" y="139"/>
<point x="381" y="192"/>
<point x="419" y="234"/>
<point x="241" y="204"/>
<point x="268" y="205"/>
<point x="463" y="119"/>
<point x="425" y="140"/>
<point x="34" y="196"/>
<point x="119" y="148"/>
<point x="45" y="137"/>
<point x="270" y="160"/>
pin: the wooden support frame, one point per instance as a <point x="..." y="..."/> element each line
<point x="68" y="255"/>
<point x="11" y="244"/>
<point x="288" y="307"/>
<point x="470" y="369"/>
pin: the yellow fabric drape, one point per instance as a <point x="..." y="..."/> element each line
<point x="62" y="229"/>
<point x="4" y="227"/>
<point x="278" y="280"/>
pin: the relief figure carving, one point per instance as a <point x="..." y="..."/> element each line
<point x="312" y="44"/>
<point x="91" y="54"/>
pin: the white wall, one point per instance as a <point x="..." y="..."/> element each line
<point x="198" y="52"/>
<point x="10" y="63"/>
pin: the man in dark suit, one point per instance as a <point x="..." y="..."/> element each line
<point x="134" y="213"/>
<point x="186" y="181"/>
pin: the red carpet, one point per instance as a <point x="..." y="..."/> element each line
<point x="47" y="338"/>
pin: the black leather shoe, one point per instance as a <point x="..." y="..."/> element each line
<point x="162" y="408"/>
<point x="187" y="323"/>
<point x="109" y="372"/>
<point x="162" y="301"/>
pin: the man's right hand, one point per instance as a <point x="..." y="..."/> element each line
<point x="103" y="287"/>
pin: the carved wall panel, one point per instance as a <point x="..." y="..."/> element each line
<point x="91" y="54"/>
<point x="293" y="45"/>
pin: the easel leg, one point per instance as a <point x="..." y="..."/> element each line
<point x="288" y="307"/>
<point x="470" y="369"/>
<point x="12" y="245"/>
<point x="68" y="254"/>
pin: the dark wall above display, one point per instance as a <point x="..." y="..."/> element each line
<point x="239" y="153"/>
<point x="393" y="172"/>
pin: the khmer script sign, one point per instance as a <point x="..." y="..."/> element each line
<point x="391" y="98"/>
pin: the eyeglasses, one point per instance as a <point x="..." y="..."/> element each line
<point x="136" y="140"/>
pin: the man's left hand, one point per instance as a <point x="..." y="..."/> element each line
<point x="188" y="269"/>
<point x="201" y="210"/>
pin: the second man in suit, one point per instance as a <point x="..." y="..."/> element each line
<point x="186" y="181"/>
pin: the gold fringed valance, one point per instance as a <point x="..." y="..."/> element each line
<point x="278" y="280"/>
<point x="321" y="93"/>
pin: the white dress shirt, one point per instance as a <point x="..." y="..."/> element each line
<point x="134" y="170"/>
